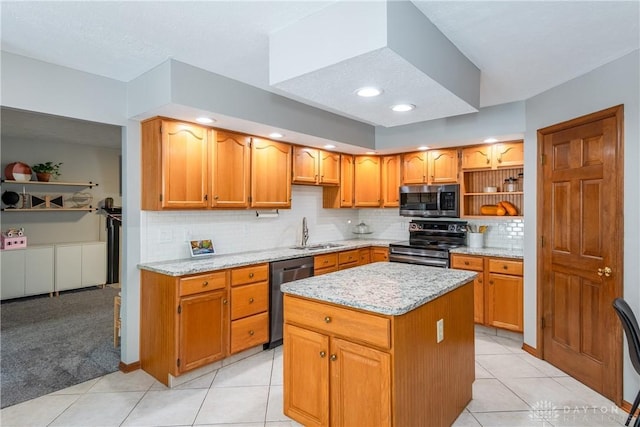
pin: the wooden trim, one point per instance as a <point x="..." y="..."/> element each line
<point x="626" y="406"/>
<point x="128" y="367"/>
<point x="618" y="113"/>
<point x="531" y="350"/>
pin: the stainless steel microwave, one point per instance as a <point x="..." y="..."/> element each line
<point x="430" y="201"/>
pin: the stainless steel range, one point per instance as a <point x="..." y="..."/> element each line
<point x="429" y="242"/>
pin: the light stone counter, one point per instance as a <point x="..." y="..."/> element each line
<point x="186" y="266"/>
<point x="496" y="252"/>
<point x="382" y="287"/>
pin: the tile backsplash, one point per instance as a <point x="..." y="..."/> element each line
<point x="164" y="235"/>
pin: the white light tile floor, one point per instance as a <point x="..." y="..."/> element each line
<point x="512" y="388"/>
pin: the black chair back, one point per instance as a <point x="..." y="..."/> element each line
<point x="631" y="330"/>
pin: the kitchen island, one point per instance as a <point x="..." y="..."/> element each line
<point x="385" y="344"/>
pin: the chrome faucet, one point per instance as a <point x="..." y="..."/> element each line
<point x="305" y="232"/>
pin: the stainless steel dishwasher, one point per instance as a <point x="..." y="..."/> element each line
<point x="283" y="272"/>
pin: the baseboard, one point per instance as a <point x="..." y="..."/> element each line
<point x="626" y="406"/>
<point x="129" y="367"/>
<point x="531" y="350"/>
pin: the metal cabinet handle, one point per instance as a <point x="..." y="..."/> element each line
<point x="250" y="300"/>
<point x="250" y="275"/>
<point x="466" y="263"/>
<point x="251" y="332"/>
<point x="491" y="282"/>
<point x="205" y="283"/>
<point x="323" y="354"/>
<point x="327" y="319"/>
<point x="224" y="301"/>
<point x="333" y="357"/>
<point x="506" y="267"/>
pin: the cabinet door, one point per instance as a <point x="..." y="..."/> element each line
<point x="379" y="254"/>
<point x="504" y="302"/>
<point x="366" y="181"/>
<point x="391" y="181"/>
<point x="306" y="376"/>
<point x="478" y="157"/>
<point x="38" y="271"/>
<point x="360" y="385"/>
<point x="94" y="264"/>
<point x="414" y="168"/>
<point x="508" y="154"/>
<point x="68" y="270"/>
<point x="329" y="168"/>
<point x="270" y="174"/>
<point x="204" y="326"/>
<point x="305" y="165"/>
<point x="184" y="165"/>
<point x="443" y="166"/>
<point x="230" y="170"/>
<point x="364" y="256"/>
<point x="478" y="299"/>
<point x="346" y="181"/>
<point x="13" y="274"/>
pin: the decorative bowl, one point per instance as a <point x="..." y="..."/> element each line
<point x="18" y="171"/>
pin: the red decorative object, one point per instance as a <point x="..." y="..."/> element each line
<point x="18" y="171"/>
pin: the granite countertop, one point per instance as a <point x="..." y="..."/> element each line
<point x="497" y="252"/>
<point x="382" y="287"/>
<point x="181" y="267"/>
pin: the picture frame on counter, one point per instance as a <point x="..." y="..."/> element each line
<point x="201" y="248"/>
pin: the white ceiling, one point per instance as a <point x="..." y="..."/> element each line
<point x="521" y="48"/>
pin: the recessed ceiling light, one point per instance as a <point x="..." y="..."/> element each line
<point x="276" y="135"/>
<point x="205" y="120"/>
<point x="329" y="146"/>
<point x="490" y="140"/>
<point x="368" y="92"/>
<point x="370" y="153"/>
<point x="423" y="147"/>
<point x="402" y="108"/>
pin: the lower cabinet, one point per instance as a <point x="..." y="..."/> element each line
<point x="326" y="263"/>
<point x="27" y="272"/>
<point x="79" y="265"/>
<point x="498" y="293"/>
<point x="379" y="254"/>
<point x="249" y="307"/>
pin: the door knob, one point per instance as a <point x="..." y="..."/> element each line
<point x="606" y="272"/>
<point x="323" y="354"/>
<point x="333" y="357"/>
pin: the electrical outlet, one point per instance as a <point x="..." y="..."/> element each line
<point x="440" y="330"/>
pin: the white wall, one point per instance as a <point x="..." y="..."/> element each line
<point x="615" y="83"/>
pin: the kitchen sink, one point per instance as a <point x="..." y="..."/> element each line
<point x="317" y="246"/>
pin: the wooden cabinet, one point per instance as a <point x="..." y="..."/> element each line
<point x="249" y="307"/>
<point x="364" y="256"/>
<point x="27" y="272"/>
<point x="498" y="294"/>
<point x="443" y="166"/>
<point x="326" y="263"/>
<point x="315" y="167"/>
<point x="414" y="168"/>
<point x="348" y="259"/>
<point x="79" y="265"/>
<point x="366" y="181"/>
<point x="390" y="181"/>
<point x="230" y="170"/>
<point x="379" y="254"/>
<point x="175" y="165"/>
<point x="342" y="196"/>
<point x="494" y="156"/>
<point x="270" y="174"/>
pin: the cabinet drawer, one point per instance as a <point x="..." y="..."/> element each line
<point x="348" y="257"/>
<point x="250" y="274"/>
<point x="322" y="271"/>
<point x="505" y="267"/>
<point x="249" y="299"/>
<point x="467" y="262"/>
<point x="249" y="332"/>
<point x="203" y="283"/>
<point x="366" y="327"/>
<point x="325" y="261"/>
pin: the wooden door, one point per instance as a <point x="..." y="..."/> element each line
<point x="306" y="370"/>
<point x="346" y="181"/>
<point x="504" y="302"/>
<point x="414" y="168"/>
<point x="184" y="165"/>
<point x="204" y="326"/>
<point x="390" y="181"/>
<point x="366" y="181"/>
<point x="477" y="157"/>
<point x="580" y="226"/>
<point x="230" y="170"/>
<point x="270" y="174"/>
<point x="305" y="165"/>
<point x="508" y="154"/>
<point x="329" y="167"/>
<point x="443" y="166"/>
<point x="360" y="385"/>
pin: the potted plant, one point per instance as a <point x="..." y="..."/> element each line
<point x="44" y="171"/>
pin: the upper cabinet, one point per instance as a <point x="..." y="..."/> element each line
<point x="315" y="167"/>
<point x="342" y="195"/>
<point x="501" y="155"/>
<point x="270" y="174"/>
<point x="231" y="171"/>
<point x="430" y="167"/>
<point x="174" y="165"/>
<point x="366" y="179"/>
<point x="390" y="181"/>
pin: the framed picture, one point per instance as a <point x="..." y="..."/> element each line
<point x="201" y="248"/>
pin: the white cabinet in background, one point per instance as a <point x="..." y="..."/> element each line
<point x="27" y="272"/>
<point x="79" y="265"/>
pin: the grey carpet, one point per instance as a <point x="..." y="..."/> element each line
<point x="48" y="344"/>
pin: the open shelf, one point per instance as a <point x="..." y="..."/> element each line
<point x="70" y="184"/>
<point x="87" y="209"/>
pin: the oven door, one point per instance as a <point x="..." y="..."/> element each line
<point x="419" y="256"/>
